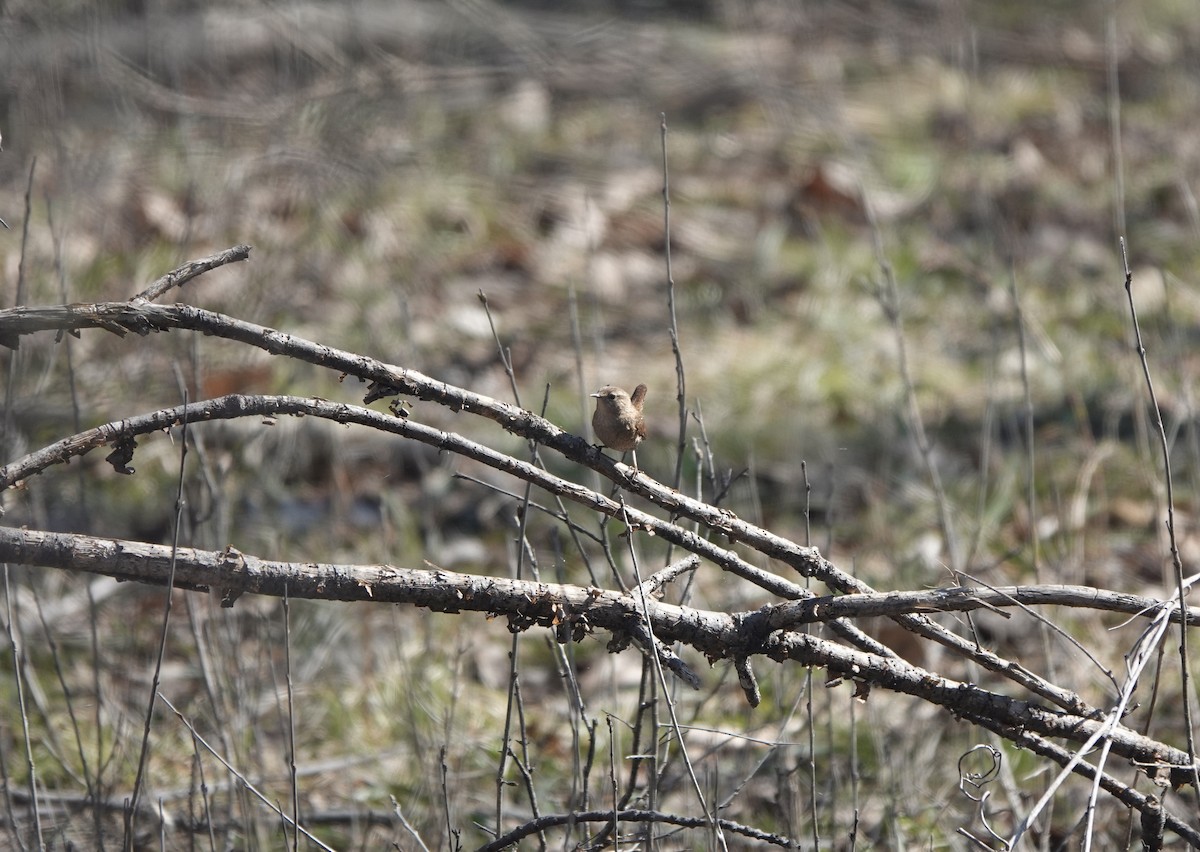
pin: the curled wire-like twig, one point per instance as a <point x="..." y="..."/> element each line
<point x="972" y="782"/>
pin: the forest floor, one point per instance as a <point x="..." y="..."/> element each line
<point x="880" y="214"/>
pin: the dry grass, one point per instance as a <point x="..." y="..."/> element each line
<point x="384" y="180"/>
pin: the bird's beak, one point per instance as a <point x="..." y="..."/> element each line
<point x="596" y="395"/>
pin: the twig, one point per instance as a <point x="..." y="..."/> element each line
<point x="792" y="614"/>
<point x="416" y="835"/>
<point x="245" y="782"/>
<point x="291" y="710"/>
<point x="68" y="699"/>
<point x="1176" y="560"/>
<point x="680" y="375"/>
<point x="6" y="424"/>
<point x="451" y="831"/>
<point x="659" y="579"/>
<point x="191" y="269"/>
<point x="810" y="714"/>
<point x="556" y="514"/>
<point x="888" y="296"/>
<point x="19" y="675"/>
<point x="505" y="356"/>
<point x="6" y="431"/>
<point x="1049" y="625"/>
<point x="198" y="763"/>
<point x="658" y="654"/>
<point x="131" y="811"/>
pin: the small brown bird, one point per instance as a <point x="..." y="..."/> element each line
<point x="618" y="421"/>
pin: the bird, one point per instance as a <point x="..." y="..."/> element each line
<point x="618" y="421"/>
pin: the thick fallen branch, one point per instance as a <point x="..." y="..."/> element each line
<point x="572" y="612"/>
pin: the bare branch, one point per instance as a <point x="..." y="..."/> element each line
<point x="191" y="269"/>
<point x="527" y="604"/>
<point x="964" y="599"/>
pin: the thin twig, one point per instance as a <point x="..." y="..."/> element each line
<point x="68" y="699"/>
<point x="680" y="375"/>
<point x="451" y="831"/>
<point x="7" y="425"/>
<point x="242" y="779"/>
<point x="19" y="675"/>
<point x="643" y="599"/>
<point x="131" y="811"/>
<point x="416" y="835"/>
<point x="1176" y="559"/>
<point x="505" y="356"/>
<point x="6" y="436"/>
<point x="888" y="296"/>
<point x="291" y="709"/>
<point x="207" y="819"/>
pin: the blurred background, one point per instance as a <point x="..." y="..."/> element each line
<point x="879" y="212"/>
